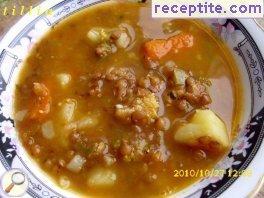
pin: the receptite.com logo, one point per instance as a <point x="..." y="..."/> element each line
<point x="207" y="9"/>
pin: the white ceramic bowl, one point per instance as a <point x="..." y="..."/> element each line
<point x="246" y="41"/>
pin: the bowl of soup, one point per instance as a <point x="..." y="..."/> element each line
<point x="101" y="100"/>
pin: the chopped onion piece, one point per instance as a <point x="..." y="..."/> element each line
<point x="100" y="177"/>
<point x="109" y="159"/>
<point x="76" y="164"/>
<point x="98" y="34"/>
<point x="170" y="64"/>
<point x="48" y="130"/>
<point x="123" y="41"/>
<point x="93" y="35"/>
<point x="64" y="79"/>
<point x="64" y="182"/>
<point x="86" y="122"/>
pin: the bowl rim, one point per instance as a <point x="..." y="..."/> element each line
<point x="253" y="182"/>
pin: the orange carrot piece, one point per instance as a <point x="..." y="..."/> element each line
<point x="156" y="49"/>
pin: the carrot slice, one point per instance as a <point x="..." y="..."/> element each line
<point x="156" y="49"/>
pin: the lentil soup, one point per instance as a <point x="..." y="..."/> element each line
<point x="110" y="102"/>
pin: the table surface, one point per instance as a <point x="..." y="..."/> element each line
<point x="7" y="21"/>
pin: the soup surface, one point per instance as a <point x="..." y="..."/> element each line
<point x="111" y="102"/>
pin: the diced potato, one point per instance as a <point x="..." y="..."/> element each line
<point x="64" y="79"/>
<point x="67" y="110"/>
<point x="48" y="130"/>
<point x="87" y="122"/>
<point x="100" y="177"/>
<point x="84" y="123"/>
<point x="76" y="164"/>
<point x="179" y="77"/>
<point x="205" y="130"/>
<point x="20" y="115"/>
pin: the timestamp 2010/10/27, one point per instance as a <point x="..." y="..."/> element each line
<point x="212" y="173"/>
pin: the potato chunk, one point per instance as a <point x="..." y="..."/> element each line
<point x="100" y="177"/>
<point x="67" y="110"/>
<point x="76" y="164"/>
<point x="205" y="130"/>
<point x="86" y="122"/>
<point x="47" y="129"/>
<point x="20" y="115"/>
